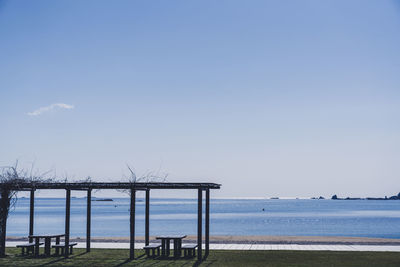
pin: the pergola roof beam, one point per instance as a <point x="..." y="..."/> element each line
<point x="101" y="185"/>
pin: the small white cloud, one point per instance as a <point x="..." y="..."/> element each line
<point x="49" y="108"/>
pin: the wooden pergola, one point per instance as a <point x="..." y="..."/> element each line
<point x="132" y="187"/>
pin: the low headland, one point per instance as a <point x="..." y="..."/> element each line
<point x="335" y="197"/>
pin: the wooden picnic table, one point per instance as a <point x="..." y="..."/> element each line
<point x="47" y="242"/>
<point x="165" y="244"/>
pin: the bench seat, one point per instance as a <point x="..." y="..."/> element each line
<point x="62" y="247"/>
<point x="189" y="250"/>
<point x="30" y="247"/>
<point x="153" y="248"/>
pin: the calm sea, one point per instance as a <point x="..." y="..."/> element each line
<point x="228" y="217"/>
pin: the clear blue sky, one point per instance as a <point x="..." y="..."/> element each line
<point x="269" y="98"/>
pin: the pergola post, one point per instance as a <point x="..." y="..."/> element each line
<point x="147" y="219"/>
<point x="31" y="214"/>
<point x="207" y="226"/>
<point x="67" y="221"/>
<point x="4" y="205"/>
<point x="88" y="218"/>
<point x="199" y="223"/>
<point x="132" y="225"/>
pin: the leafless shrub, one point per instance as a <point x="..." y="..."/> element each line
<point x="146" y="177"/>
<point x="11" y="179"/>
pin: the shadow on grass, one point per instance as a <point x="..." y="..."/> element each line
<point x="123" y="263"/>
<point x="62" y="258"/>
<point x="129" y="260"/>
<point x="196" y="263"/>
<point x="209" y="263"/>
<point x="164" y="261"/>
<point x="141" y="260"/>
<point x="141" y="256"/>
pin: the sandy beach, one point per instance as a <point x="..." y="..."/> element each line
<point x="301" y="240"/>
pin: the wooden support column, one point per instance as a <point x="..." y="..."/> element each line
<point x="207" y="241"/>
<point x="147" y="219"/>
<point x="31" y="214"/>
<point x="4" y="205"/>
<point x="199" y="223"/>
<point x="67" y="221"/>
<point x="88" y="218"/>
<point x="132" y="225"/>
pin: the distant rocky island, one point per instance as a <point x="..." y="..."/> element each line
<point x="335" y="197"/>
<point x="103" y="199"/>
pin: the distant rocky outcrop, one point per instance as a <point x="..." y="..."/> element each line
<point x="368" y="198"/>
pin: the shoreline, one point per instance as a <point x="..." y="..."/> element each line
<point x="229" y="239"/>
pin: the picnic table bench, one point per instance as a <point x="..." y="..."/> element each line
<point x="153" y="248"/>
<point x="189" y="250"/>
<point x="62" y="247"/>
<point x="30" y="247"/>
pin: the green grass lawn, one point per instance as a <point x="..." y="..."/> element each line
<point x="119" y="257"/>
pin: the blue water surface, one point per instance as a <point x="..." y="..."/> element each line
<point x="362" y="218"/>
